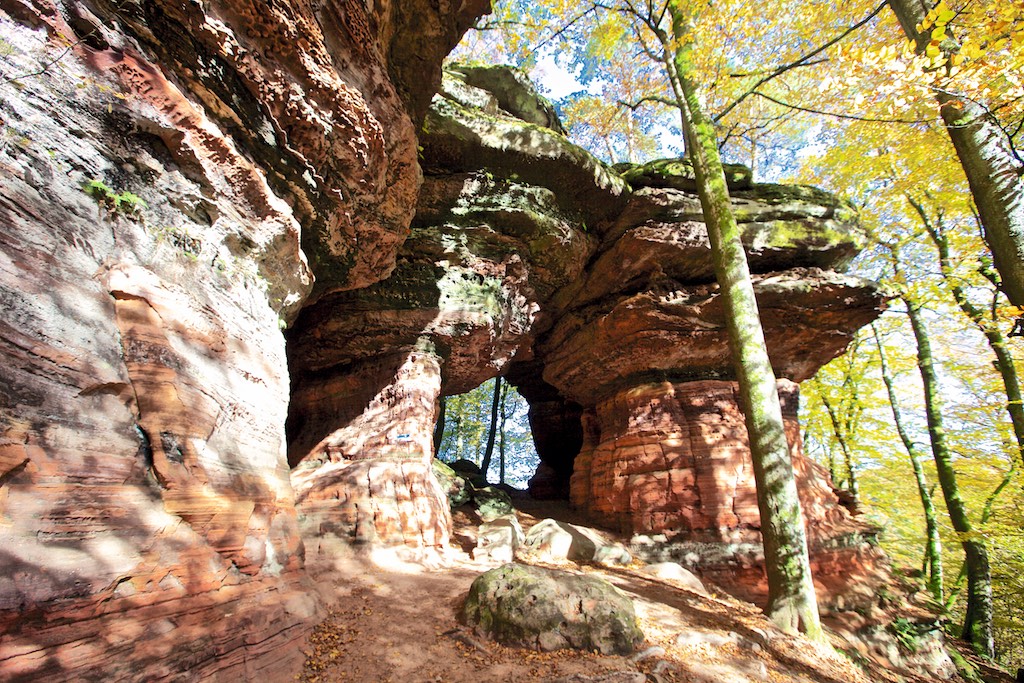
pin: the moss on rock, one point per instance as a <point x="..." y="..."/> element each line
<point x="458" y="138"/>
<point x="549" y="609"/>
<point x="514" y="92"/>
<point x="678" y="174"/>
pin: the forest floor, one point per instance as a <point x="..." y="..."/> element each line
<point x="397" y="621"/>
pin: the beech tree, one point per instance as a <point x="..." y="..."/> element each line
<point x="984" y="317"/>
<point x="977" y="627"/>
<point x="986" y="150"/>
<point x="933" y="543"/>
<point x="791" y="600"/>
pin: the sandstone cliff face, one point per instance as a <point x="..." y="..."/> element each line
<point x="177" y="179"/>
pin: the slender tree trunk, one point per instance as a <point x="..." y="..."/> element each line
<point x="791" y="599"/>
<point x="841" y="438"/>
<point x="977" y="628"/>
<point x="501" y="433"/>
<point x="457" y="428"/>
<point x="933" y="544"/>
<point x="439" y="426"/>
<point x="996" y="340"/>
<point x="853" y="411"/>
<point x="993" y="172"/>
<point x="502" y="442"/>
<point x="492" y="430"/>
<point x="986" y="514"/>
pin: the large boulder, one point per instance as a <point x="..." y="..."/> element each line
<point x="676" y="573"/>
<point x="549" y="609"/>
<point x="553" y="541"/>
<point x="470" y="471"/>
<point x="491" y="502"/>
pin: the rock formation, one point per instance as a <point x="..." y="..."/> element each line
<point x="177" y="178"/>
<point x="246" y="248"/>
<point x="488" y="246"/>
<point x="529" y="258"/>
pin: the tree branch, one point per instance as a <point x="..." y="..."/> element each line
<point x="761" y="71"/>
<point x="649" y="98"/>
<point x="800" y="62"/>
<point x="849" y="117"/>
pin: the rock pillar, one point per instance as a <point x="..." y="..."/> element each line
<point x="368" y="480"/>
<point x="669" y="462"/>
<point x="673" y="458"/>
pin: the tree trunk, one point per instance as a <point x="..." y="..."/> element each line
<point x="986" y="513"/>
<point x="439" y="426"/>
<point x="457" y="428"/>
<point x="840" y="433"/>
<point x="501" y="435"/>
<point x="933" y="544"/>
<point x="993" y="172"/>
<point x="492" y="430"/>
<point x="996" y="340"/>
<point x="977" y="628"/>
<point x="996" y="186"/>
<point x="791" y="600"/>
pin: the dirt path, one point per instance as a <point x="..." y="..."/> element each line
<point x="395" y="621"/>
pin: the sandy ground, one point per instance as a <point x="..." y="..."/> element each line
<point x="398" y="621"/>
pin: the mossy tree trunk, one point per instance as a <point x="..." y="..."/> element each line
<point x="986" y="323"/>
<point x="977" y="628"/>
<point x="993" y="172"/>
<point x="933" y="544"/>
<point x="791" y="603"/>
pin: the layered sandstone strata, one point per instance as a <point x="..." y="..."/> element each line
<point x="669" y="462"/>
<point x="370" y="481"/>
<point x="642" y="348"/>
<point x="175" y="176"/>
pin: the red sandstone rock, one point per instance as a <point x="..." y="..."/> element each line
<point x="672" y="459"/>
<point x="369" y="480"/>
<point x="148" y="528"/>
<point x="808" y="316"/>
